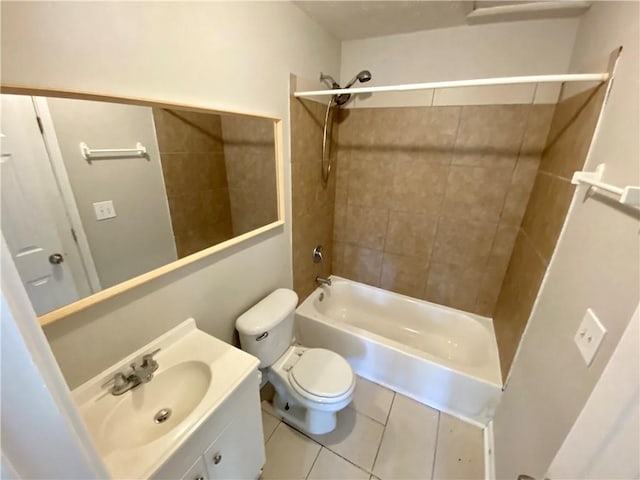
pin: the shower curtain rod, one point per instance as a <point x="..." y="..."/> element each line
<point x="478" y="82"/>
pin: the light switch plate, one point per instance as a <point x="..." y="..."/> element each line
<point x="104" y="210"/>
<point x="589" y="336"/>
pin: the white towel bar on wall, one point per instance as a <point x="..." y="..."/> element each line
<point x="629" y="195"/>
<point x="92" y="153"/>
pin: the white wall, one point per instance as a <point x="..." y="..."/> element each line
<point x="42" y="433"/>
<point x="604" y="442"/>
<point x="460" y="53"/>
<point x="140" y="237"/>
<point x="596" y="264"/>
<point x="224" y="55"/>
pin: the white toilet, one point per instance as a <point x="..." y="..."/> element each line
<point x="312" y="384"/>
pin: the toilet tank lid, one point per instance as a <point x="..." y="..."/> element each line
<point x="268" y="312"/>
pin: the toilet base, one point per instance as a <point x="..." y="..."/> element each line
<point x="315" y="422"/>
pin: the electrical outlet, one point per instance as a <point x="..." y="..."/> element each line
<point x="589" y="336"/>
<point x="104" y="210"/>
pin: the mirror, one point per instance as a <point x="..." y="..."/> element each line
<point x="97" y="193"/>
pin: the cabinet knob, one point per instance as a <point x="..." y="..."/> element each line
<point x="217" y="458"/>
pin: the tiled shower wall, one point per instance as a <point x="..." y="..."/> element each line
<point x="195" y="177"/>
<point x="251" y="174"/>
<point x="429" y="199"/>
<point x="313" y="201"/>
<point x="569" y="138"/>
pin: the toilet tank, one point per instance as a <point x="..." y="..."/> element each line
<point x="266" y="329"/>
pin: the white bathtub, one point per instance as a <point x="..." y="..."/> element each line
<point x="440" y="356"/>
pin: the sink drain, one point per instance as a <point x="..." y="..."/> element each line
<point x="162" y="416"/>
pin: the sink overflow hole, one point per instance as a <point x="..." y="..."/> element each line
<point x="162" y="416"/>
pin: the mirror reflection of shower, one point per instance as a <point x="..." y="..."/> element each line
<point x="339" y="101"/>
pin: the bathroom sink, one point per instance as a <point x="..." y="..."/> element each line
<point x="137" y="431"/>
<point x="152" y="409"/>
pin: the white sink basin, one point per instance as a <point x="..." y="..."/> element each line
<point x="136" y="432"/>
<point x="172" y="394"/>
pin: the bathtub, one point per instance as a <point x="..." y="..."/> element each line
<point x="439" y="356"/>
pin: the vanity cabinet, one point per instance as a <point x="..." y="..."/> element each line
<point x="228" y="445"/>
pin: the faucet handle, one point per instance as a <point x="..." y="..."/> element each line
<point x="118" y="380"/>
<point x="148" y="361"/>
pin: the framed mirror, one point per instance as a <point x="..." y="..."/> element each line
<point x="101" y="194"/>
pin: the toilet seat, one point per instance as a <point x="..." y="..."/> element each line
<point x="322" y="376"/>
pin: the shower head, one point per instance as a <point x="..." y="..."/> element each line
<point x="363" y="76"/>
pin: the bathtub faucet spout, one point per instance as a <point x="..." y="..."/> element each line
<point x="323" y="281"/>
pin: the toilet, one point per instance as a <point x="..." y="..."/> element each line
<point x="311" y="384"/>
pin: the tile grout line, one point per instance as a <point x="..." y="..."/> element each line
<point x="435" y="449"/>
<point x="365" y="415"/>
<point x="329" y="448"/>
<point x="442" y="203"/>
<point x="314" y="462"/>
<point x="375" y="459"/>
<point x="271" y="434"/>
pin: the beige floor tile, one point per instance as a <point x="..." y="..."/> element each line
<point x="356" y="438"/>
<point x="268" y="408"/>
<point x="269" y="424"/>
<point x="409" y="441"/>
<point x="290" y="454"/>
<point x="372" y="400"/>
<point x="330" y="466"/>
<point x="460" y="453"/>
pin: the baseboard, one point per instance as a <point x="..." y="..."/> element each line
<point x="489" y="457"/>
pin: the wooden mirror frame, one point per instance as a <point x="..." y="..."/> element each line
<point x="122" y="287"/>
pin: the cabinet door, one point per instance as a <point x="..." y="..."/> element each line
<point x="238" y="453"/>
<point x="197" y="471"/>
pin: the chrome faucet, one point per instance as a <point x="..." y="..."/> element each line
<point x="323" y="281"/>
<point x="141" y="373"/>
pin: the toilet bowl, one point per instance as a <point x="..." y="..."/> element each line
<point x="312" y="384"/>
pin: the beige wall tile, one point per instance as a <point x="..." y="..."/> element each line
<point x="520" y="288"/>
<point x="307" y="121"/>
<point x="402" y="274"/>
<point x="369" y="182"/>
<point x="355" y="127"/>
<point x="411" y="234"/>
<point x="195" y="177"/>
<point x="490" y="135"/>
<point x="490" y="286"/>
<point x="366" y="227"/>
<point x="482" y="182"/>
<point x="362" y="264"/>
<point x="537" y="130"/>
<point x="566" y="147"/>
<point x="453" y="285"/>
<point x="546" y="212"/>
<point x="418" y="185"/>
<point x="337" y="264"/>
<point x="463" y="243"/>
<point x="431" y="130"/>
<point x="519" y="192"/>
<point x="571" y="132"/>
<point x="313" y="201"/>
<point x="476" y="192"/>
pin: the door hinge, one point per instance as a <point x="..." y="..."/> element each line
<point x="73" y="234"/>
<point x="39" y="120"/>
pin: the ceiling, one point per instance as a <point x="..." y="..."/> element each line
<point x="348" y="20"/>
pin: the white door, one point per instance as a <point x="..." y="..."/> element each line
<point x="33" y="218"/>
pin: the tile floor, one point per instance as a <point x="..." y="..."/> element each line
<point x="382" y="435"/>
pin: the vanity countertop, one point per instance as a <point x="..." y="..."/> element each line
<point x="196" y="373"/>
